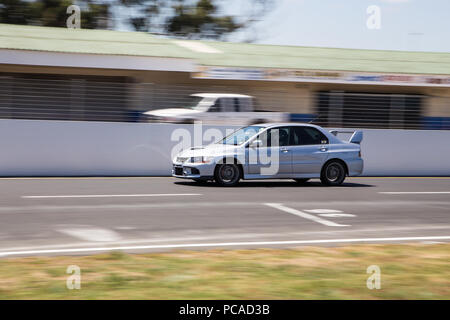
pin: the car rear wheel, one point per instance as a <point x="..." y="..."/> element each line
<point x="227" y="175"/>
<point x="333" y="173"/>
<point x="302" y="180"/>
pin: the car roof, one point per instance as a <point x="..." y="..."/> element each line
<point x="330" y="136"/>
<point x="220" y="95"/>
<point x="283" y="124"/>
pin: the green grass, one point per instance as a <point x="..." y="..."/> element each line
<point x="407" y="272"/>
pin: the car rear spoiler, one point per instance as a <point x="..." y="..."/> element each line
<point x="356" y="137"/>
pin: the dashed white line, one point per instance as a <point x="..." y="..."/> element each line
<point x="112" y="195"/>
<point x="223" y="237"/>
<point x="200" y="204"/>
<point x="416" y="192"/>
<point x="91" y="234"/>
<point x="305" y="215"/>
<point x="323" y="211"/>
<point x="220" y="244"/>
<point x="336" y="215"/>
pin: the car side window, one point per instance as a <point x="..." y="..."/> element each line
<point x="307" y="136"/>
<point x="283" y="136"/>
<point x="245" y="105"/>
<point x="216" y="106"/>
<point x="227" y="104"/>
<point x="236" y="105"/>
<point x="295" y="136"/>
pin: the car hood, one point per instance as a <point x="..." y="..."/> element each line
<point x="171" y="112"/>
<point x="212" y="150"/>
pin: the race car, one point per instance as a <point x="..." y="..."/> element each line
<point x="273" y="151"/>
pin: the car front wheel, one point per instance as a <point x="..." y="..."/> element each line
<point x="333" y="173"/>
<point x="227" y="175"/>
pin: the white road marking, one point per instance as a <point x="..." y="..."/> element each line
<point x="322" y="211"/>
<point x="200" y="204"/>
<point x="305" y="215"/>
<point x="220" y="244"/>
<point x="336" y="215"/>
<point x="416" y="192"/>
<point x="113" y="195"/>
<point x="91" y="234"/>
<point x="228" y="237"/>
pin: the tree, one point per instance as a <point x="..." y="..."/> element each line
<point x="200" y="21"/>
<point x="178" y="18"/>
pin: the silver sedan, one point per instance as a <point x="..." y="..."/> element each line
<point x="273" y="151"/>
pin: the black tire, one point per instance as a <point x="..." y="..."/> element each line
<point x="333" y="173"/>
<point x="301" y="180"/>
<point x="227" y="175"/>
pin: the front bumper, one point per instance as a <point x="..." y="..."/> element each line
<point x="193" y="170"/>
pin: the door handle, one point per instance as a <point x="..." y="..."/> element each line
<point x="284" y="150"/>
<point x="322" y="148"/>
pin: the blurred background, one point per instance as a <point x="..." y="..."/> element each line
<point x="107" y="71"/>
<point x="96" y="90"/>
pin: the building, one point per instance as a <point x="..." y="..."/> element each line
<point x="77" y="74"/>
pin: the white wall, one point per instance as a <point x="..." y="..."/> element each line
<point x="406" y="152"/>
<point x="69" y="148"/>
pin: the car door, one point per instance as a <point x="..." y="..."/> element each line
<point x="271" y="159"/>
<point x="309" y="150"/>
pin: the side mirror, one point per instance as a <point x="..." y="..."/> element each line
<point x="256" y="144"/>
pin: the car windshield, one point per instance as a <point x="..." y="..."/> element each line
<point x="242" y="135"/>
<point x="193" y="102"/>
<point x="199" y="103"/>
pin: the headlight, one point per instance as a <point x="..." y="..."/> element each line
<point x="180" y="159"/>
<point x="201" y="159"/>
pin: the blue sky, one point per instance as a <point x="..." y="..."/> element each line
<point x="412" y="25"/>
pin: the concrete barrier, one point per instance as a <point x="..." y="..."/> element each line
<point x="406" y="152"/>
<point x="69" y="148"/>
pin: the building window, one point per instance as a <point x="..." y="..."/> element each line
<point x="368" y="110"/>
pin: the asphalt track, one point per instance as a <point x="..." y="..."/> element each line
<point x="78" y="216"/>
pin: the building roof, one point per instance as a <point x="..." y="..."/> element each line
<point x="210" y="53"/>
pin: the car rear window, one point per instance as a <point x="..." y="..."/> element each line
<point x="307" y="136"/>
